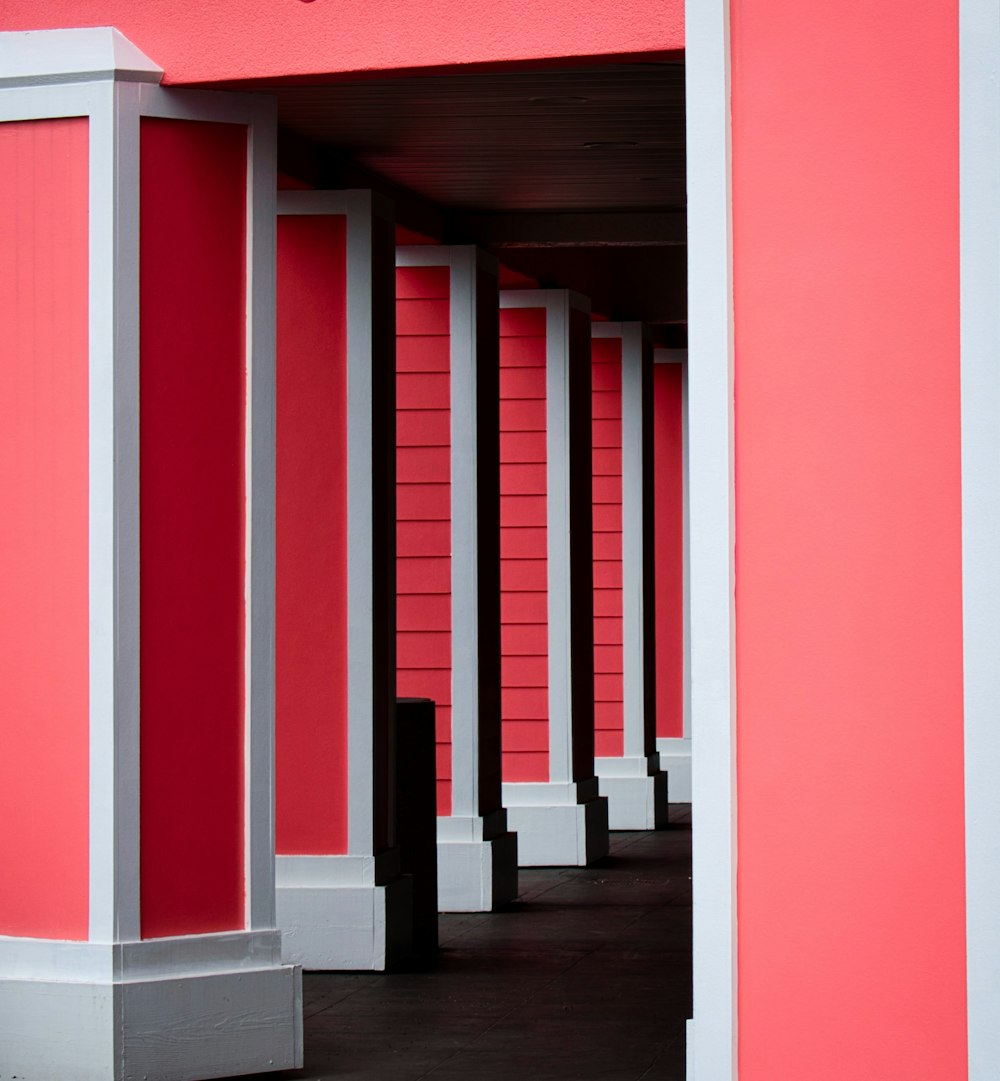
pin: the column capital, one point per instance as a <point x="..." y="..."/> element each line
<point x="92" y="54"/>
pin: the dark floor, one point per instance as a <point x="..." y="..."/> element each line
<point x="586" y="978"/>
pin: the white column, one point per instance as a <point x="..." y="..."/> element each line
<point x="115" y="1001"/>
<point x="563" y="821"/>
<point x="712" y="1043"/>
<point x="633" y="782"/>
<point x="675" y="751"/>
<point x="979" y="141"/>
<point x="477" y="855"/>
<point x="352" y="909"/>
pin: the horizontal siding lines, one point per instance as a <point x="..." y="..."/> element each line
<point x="423" y="501"/>
<point x="606" y="431"/>
<point x="524" y="544"/>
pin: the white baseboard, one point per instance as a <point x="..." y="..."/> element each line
<point x="675" y="759"/>
<point x="636" y="790"/>
<point x="172" y="1028"/>
<point x="338" y="913"/>
<point x="557" y="825"/>
<point x="478" y="875"/>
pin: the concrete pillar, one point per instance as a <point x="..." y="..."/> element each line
<point x="341" y="900"/>
<point x="136" y="566"/>
<point x="550" y="790"/>
<point x="449" y="559"/>
<point x="673" y="639"/>
<point x="627" y="763"/>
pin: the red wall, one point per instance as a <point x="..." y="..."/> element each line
<point x="423" y="500"/>
<point x="606" y="429"/>
<point x="44" y="617"/>
<point x="668" y="514"/>
<point x="848" y="557"/>
<point x="523" y="546"/>
<point x="192" y="521"/>
<point x="311" y="505"/>
<point x="255" y="39"/>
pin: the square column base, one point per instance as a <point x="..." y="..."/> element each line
<point x="158" y="1021"/>
<point x="558" y="824"/>
<point x="336" y="914"/>
<point x="637" y="792"/>
<point x="675" y="758"/>
<point x="477" y="863"/>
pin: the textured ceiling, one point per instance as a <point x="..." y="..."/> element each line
<point x="574" y="176"/>
<point x="607" y="137"/>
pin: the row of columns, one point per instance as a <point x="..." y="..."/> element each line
<point x="257" y="557"/>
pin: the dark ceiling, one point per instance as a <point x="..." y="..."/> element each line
<point x="574" y="176"/>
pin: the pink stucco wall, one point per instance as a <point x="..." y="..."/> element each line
<point x="848" y="541"/>
<point x="224" y="40"/>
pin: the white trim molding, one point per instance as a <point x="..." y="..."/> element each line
<point x="675" y="752"/>
<point x="121" y="1006"/>
<point x="477" y="854"/>
<point x="355" y="911"/>
<point x="712" y="1034"/>
<point x="564" y="822"/>
<point x="634" y="783"/>
<point x="979" y="149"/>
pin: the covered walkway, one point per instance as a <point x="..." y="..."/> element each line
<point x="587" y="976"/>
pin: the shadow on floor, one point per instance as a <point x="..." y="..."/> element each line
<point x="587" y="977"/>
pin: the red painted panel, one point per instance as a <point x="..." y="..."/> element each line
<point x="609" y="716"/>
<point x="423" y="283"/>
<point x="44" y="618"/>
<point x="606" y="488"/>
<point x="523" y="382"/>
<point x="423" y="503"/>
<point x="609" y="743"/>
<point x="525" y="703"/>
<point x="527" y="766"/>
<point x="608" y="631"/>
<point x="607" y="433"/>
<point x="311" y="584"/>
<point x="423" y="354"/>
<point x="668" y="512"/>
<point x="524" y="352"/>
<point x="522" y="323"/>
<point x="410" y="646"/>
<point x="607" y="659"/>
<point x="524" y="639"/>
<point x="523" y="478"/>
<point x="423" y="612"/>
<point x="607" y="461"/>
<point x="422" y="390"/>
<point x="533" y="574"/>
<point x="608" y="574"/>
<point x="848" y="541"/>
<point x="423" y="538"/>
<point x="523" y="543"/>
<point x="525" y="672"/>
<point x="522" y="510"/>
<point x="192" y="521"/>
<point x="526" y="736"/>
<point x="522" y="416"/>
<point x="423" y="574"/>
<point x="422" y="427"/>
<point x="523" y="607"/>
<point x="520" y="445"/>
<point x="608" y="545"/>
<point x="423" y="495"/>
<point x="416" y="465"/>
<point x="422" y="317"/>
